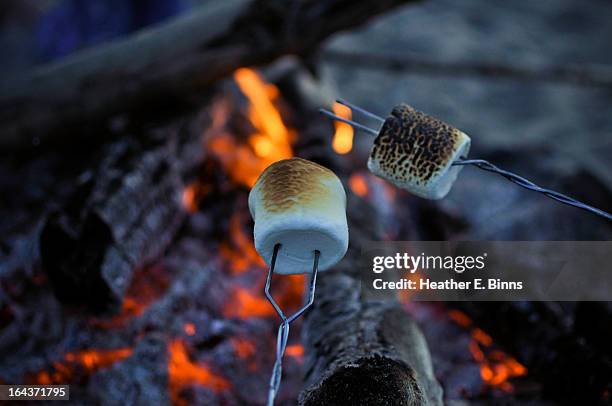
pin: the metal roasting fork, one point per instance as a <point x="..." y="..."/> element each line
<point x="283" y="329"/>
<point x="479" y="163"/>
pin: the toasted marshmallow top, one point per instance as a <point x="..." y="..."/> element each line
<point x="294" y="184"/>
<point x="302" y="206"/>
<point x="415" y="152"/>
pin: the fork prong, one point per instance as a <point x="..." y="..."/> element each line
<point x="360" y="110"/>
<point x="349" y="122"/>
<point x="283" y="329"/>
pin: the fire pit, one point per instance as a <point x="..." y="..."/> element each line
<point x="129" y="271"/>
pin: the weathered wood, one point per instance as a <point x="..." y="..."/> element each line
<point x="122" y="215"/>
<point x="364" y="352"/>
<point x="165" y="67"/>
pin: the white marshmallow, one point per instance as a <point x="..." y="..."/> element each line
<point x="415" y="152"/>
<point x="302" y="206"/>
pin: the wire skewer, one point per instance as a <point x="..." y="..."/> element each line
<point x="360" y="110"/>
<point x="479" y="163"/>
<point x="519" y="180"/>
<point x="283" y="328"/>
<point x="349" y="122"/>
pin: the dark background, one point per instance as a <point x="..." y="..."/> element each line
<point x="559" y="134"/>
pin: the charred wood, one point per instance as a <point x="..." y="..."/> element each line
<point x="166" y="67"/>
<point x="361" y="351"/>
<point x="122" y="215"/>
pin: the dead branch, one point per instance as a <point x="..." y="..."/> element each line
<point x="159" y="69"/>
<point x="572" y="75"/>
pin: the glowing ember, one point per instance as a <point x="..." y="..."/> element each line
<point x="482" y="337"/>
<point x="496" y="367"/>
<point x="295" y="350"/>
<point x="80" y="363"/>
<point x="358" y="184"/>
<point x="460" y="318"/>
<point x="189" y="329"/>
<point x="245" y="350"/>
<point x="146" y="286"/>
<point x="192" y="195"/>
<point x="271" y="141"/>
<point x="243" y="347"/>
<point x="343" y="137"/>
<point x="182" y="373"/>
<point x="94" y="359"/>
<point x="189" y="198"/>
<point x="130" y="309"/>
<point x="404" y="295"/>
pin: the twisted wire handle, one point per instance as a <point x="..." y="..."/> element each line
<point x="480" y="163"/>
<point x="512" y="177"/>
<point x="283" y="329"/>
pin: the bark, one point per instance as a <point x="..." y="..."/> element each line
<point x="163" y="68"/>
<point x="364" y="352"/>
<point x="121" y="216"/>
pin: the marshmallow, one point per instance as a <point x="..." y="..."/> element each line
<point x="302" y="206"/>
<point x="415" y="152"/>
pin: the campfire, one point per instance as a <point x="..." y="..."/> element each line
<point x="142" y="283"/>
<point x="245" y="134"/>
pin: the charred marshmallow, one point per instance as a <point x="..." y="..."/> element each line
<point x="302" y="206"/>
<point x="415" y="152"/>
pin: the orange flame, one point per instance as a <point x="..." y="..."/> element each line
<point x="342" y="142"/>
<point x="271" y="141"/>
<point x="240" y="251"/>
<point x="237" y="158"/>
<point x="83" y="362"/>
<point x="244" y="304"/>
<point x="496" y="367"/>
<point x="182" y="372"/>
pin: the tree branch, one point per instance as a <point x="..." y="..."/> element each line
<point x="160" y="69"/>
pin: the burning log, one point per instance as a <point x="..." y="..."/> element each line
<point x="166" y="67"/>
<point x="120" y="217"/>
